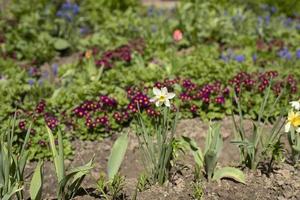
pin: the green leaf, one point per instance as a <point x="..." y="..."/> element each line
<point x="296" y="147"/>
<point x="61" y="44"/>
<point x="210" y="162"/>
<point x="77" y="175"/>
<point x="230" y="172"/>
<point x="196" y="151"/>
<point x="57" y="157"/>
<point x="15" y="188"/>
<point x="36" y="184"/>
<point x="117" y="155"/>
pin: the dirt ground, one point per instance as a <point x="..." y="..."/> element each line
<point x="283" y="183"/>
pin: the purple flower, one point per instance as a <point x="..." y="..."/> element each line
<point x="288" y="22"/>
<point x="31" y="82"/>
<point x="254" y="57"/>
<point x="22" y="125"/>
<point x="40" y="108"/>
<point x="67" y="11"/>
<point x="285" y="54"/>
<point x="267" y="19"/>
<point x="298" y="54"/>
<point x="240" y="58"/>
<point x="66" y="6"/>
<point x="273" y="9"/>
<point x="220" y="100"/>
<point x="55" y="69"/>
<point x="84" y="30"/>
<point x="75" y="9"/>
<point x="51" y="121"/>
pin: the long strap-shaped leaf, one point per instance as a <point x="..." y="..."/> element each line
<point x="36" y="184"/>
<point x="15" y="188"/>
<point x="117" y="155"/>
<point x="58" y="158"/>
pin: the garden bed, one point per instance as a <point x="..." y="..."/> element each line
<point x="107" y="82"/>
<point x="282" y="183"/>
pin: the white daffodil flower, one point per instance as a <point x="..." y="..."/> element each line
<point x="293" y="122"/>
<point x="295" y="104"/>
<point x="162" y="97"/>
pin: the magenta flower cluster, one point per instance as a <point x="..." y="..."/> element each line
<point x="122" y="53"/>
<point x="261" y="81"/>
<point x="51" y="121"/>
<point x="139" y="100"/>
<point x="90" y="111"/>
<point x="38" y="115"/>
<point x="106" y="112"/>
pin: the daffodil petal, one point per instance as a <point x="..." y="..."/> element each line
<point x="164" y="91"/>
<point x="157" y="103"/>
<point x="171" y="95"/>
<point x="167" y="103"/>
<point x="156" y="91"/>
<point x="287" y="127"/>
<point x="295" y="105"/>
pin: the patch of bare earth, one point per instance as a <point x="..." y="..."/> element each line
<point x="283" y="183"/>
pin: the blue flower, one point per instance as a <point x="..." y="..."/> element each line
<point x="298" y="54"/>
<point x="68" y="11"/>
<point x="31" y="82"/>
<point x="67" y="6"/>
<point x="267" y="19"/>
<point x="285" y="54"/>
<point x="84" y="30"/>
<point x="254" y="57"/>
<point x="75" y="9"/>
<point x="288" y="22"/>
<point x="273" y="9"/>
<point x="55" y="69"/>
<point x="240" y="58"/>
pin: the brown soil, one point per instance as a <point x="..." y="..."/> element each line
<point x="283" y="183"/>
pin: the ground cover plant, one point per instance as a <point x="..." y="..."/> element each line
<point x="123" y="77"/>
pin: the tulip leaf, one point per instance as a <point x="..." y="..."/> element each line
<point x="229" y="172"/>
<point x="117" y="155"/>
<point x="36" y="183"/>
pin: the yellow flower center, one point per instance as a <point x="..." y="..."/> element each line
<point x="294" y="119"/>
<point x="162" y="98"/>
